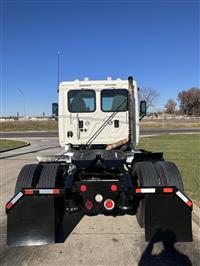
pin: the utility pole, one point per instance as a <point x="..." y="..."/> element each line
<point x="163" y="118"/>
<point x="22" y="93"/>
<point x="58" y="72"/>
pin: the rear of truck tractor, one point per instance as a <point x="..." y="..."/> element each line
<point x="97" y="176"/>
<point x="49" y="197"/>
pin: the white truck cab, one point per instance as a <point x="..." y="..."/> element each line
<point x="85" y="105"/>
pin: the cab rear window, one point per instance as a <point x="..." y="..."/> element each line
<point x="114" y="100"/>
<point x="81" y="101"/>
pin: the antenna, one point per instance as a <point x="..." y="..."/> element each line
<point x="58" y="71"/>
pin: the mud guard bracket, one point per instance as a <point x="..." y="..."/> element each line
<point x="167" y="218"/>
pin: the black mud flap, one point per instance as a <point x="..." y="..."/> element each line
<point x="167" y="218"/>
<point x="32" y="221"/>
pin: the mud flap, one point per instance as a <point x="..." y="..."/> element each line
<point x="167" y="218"/>
<point x="32" y="221"/>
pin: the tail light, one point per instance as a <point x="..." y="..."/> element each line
<point x="109" y="204"/>
<point x="83" y="188"/>
<point x="88" y="204"/>
<point x="114" y="188"/>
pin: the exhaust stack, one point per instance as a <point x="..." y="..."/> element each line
<point x="131" y="113"/>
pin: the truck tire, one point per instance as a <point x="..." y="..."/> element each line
<point x="146" y="176"/>
<point x="27" y="177"/>
<point x="169" y="174"/>
<point x="50" y="176"/>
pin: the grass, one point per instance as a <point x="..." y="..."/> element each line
<point x="184" y="151"/>
<point x="52" y="125"/>
<point x="170" y="123"/>
<point x="29" y="126"/>
<point x="10" y="144"/>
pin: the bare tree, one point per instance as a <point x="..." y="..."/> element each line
<point x="149" y="95"/>
<point x="170" y="106"/>
<point x="183" y="97"/>
<point x="194" y="96"/>
<point x="190" y="101"/>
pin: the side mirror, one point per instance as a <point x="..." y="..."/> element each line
<point x="54" y="110"/>
<point x="143" y="108"/>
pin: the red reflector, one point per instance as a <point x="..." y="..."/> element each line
<point x="109" y="204"/>
<point x="28" y="192"/>
<point x="88" y="204"/>
<point x="56" y="191"/>
<point x="114" y="188"/>
<point x="9" y="205"/>
<point x="83" y="188"/>
<point x="189" y="203"/>
<point x="138" y="190"/>
<point x="168" y="190"/>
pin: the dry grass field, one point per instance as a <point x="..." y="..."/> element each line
<point x="29" y="125"/>
<point x="52" y="125"/>
<point x="170" y="123"/>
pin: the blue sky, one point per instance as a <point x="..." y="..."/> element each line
<point x="154" y="41"/>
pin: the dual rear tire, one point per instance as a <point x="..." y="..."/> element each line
<point x="39" y="176"/>
<point x="43" y="176"/>
<point x="161" y="173"/>
<point x="169" y="174"/>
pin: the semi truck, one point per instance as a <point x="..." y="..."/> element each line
<point x="99" y="170"/>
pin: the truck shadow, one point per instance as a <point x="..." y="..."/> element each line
<point x="169" y="256"/>
<point x="70" y="221"/>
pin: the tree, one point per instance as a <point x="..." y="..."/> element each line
<point x="190" y="101"/>
<point x="194" y="98"/>
<point x="149" y="95"/>
<point x="184" y="102"/>
<point x="170" y="106"/>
